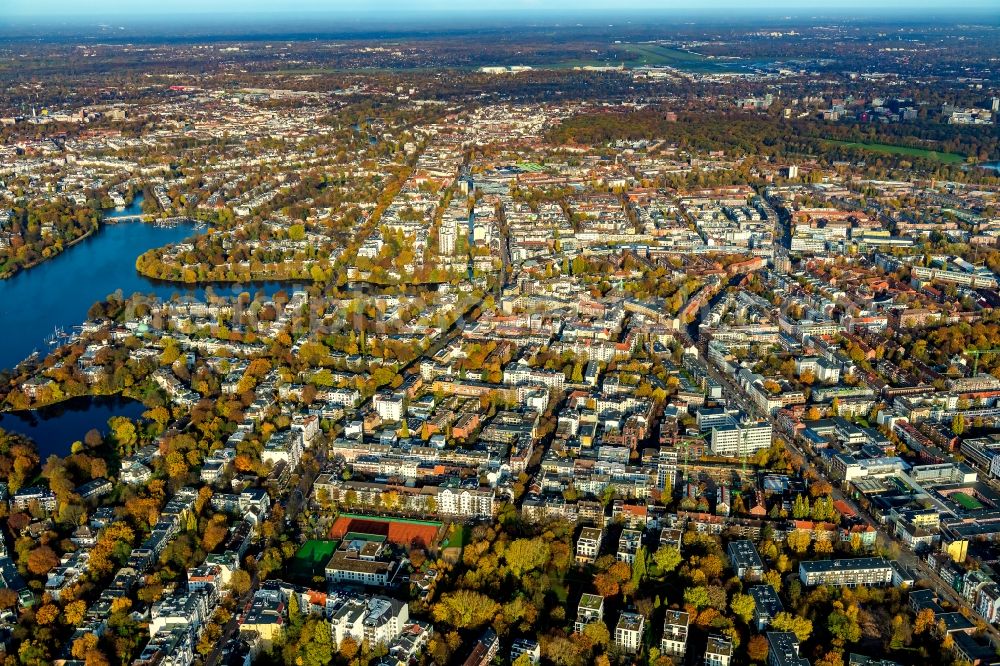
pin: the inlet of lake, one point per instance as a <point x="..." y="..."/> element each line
<point x="55" y="428"/>
<point x="56" y="295"/>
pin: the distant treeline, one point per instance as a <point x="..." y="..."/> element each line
<point x="768" y="136"/>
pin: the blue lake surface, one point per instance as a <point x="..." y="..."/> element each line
<point x="55" y="428"/>
<point x="58" y="293"/>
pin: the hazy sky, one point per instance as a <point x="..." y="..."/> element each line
<point x="390" y="9"/>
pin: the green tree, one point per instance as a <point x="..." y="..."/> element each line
<point x="639" y="567"/>
<point x="524" y="555"/>
<point x="843" y="623"/>
<point x="315" y="645"/>
<point x="742" y="605"/>
<point x="667" y="558"/>
<point x="465" y="609"/>
<point x="123" y="430"/>
<point x="800" y="626"/>
<point x="697" y="596"/>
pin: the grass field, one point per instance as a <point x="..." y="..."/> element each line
<point x="966" y="501"/>
<point x="459" y="537"/>
<point x="659" y="55"/>
<point x="312" y="557"/>
<point x="888" y="149"/>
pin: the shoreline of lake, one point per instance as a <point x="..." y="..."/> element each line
<point x="55" y="427"/>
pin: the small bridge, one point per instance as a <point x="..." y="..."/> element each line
<point x="127" y="218"/>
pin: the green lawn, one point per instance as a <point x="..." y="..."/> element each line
<point x="967" y="501"/>
<point x="888" y="149"/>
<point x="659" y="55"/>
<point x="312" y="557"/>
<point x="458" y="538"/>
<point x="577" y="62"/>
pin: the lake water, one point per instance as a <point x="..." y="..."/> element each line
<point x="58" y="293"/>
<point x="992" y="166"/>
<point x="55" y="428"/>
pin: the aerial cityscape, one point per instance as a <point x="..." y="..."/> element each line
<point x="521" y="333"/>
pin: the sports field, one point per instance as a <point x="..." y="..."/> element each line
<point x="312" y="557"/>
<point x="399" y="531"/>
<point x="967" y="502"/>
<point x="907" y="151"/>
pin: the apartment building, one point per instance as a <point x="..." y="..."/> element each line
<point x="588" y="544"/>
<point x="745" y="560"/>
<point x="783" y="649"/>
<point x="628" y="632"/>
<point x="628" y="545"/>
<point x="766" y="605"/>
<point x="590" y="609"/>
<point x="737" y="440"/>
<point x="719" y="651"/>
<point x="525" y="646"/>
<point x="360" y="561"/>
<point x="846" y="573"/>
<point x="675" y="634"/>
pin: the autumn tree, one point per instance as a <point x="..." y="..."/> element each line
<point x="41" y="560"/>
<point x="800" y="626"/>
<point x="597" y="633"/>
<point x="799" y="540"/>
<point x="743" y="606"/>
<point x="8" y="598"/>
<point x="215" y="532"/>
<point x="757" y="648"/>
<point x="925" y="620"/>
<point x="606" y="585"/>
<point x="73" y="612"/>
<point x="84" y="645"/>
<point x="47" y="614"/>
<point x="524" y="555"/>
<point x="465" y="609"/>
<point x="239" y="582"/>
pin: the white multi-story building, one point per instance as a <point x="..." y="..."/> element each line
<point x="389" y="405"/>
<point x="675" y="634"/>
<point x="846" y="573"/>
<point x="525" y="646"/>
<point x="719" y="651"/>
<point x="740" y="440"/>
<point x="447" y="235"/>
<point x="628" y="632"/>
<point x="628" y="545"/>
<point x="375" y="619"/>
<point x="588" y="544"/>
<point x="479" y="503"/>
